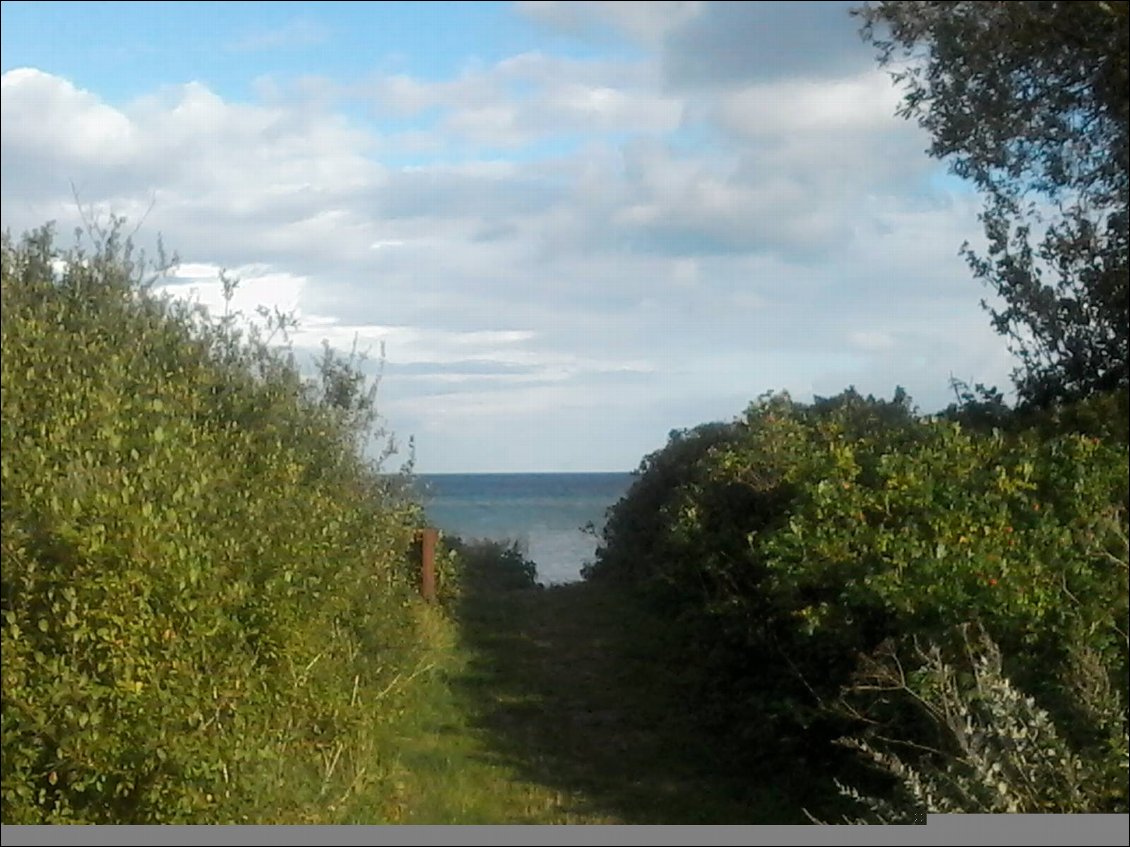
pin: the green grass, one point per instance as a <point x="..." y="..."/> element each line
<point x="444" y="768"/>
<point x="549" y="706"/>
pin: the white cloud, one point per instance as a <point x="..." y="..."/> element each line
<point x="44" y="112"/>
<point x="647" y="22"/>
<point x="872" y="342"/>
<point x="423" y="355"/>
<point x="783" y="109"/>
<point x="640" y="258"/>
<point x="531" y="96"/>
<point x="256" y="286"/>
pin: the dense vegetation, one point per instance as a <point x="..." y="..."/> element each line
<point x="854" y="568"/>
<point x="207" y="592"/>
<point x="790" y="546"/>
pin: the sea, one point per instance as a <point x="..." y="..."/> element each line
<point x="545" y="513"/>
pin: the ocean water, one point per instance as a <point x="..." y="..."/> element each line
<point x="543" y="512"/>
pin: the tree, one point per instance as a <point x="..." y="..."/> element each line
<point x="1029" y="101"/>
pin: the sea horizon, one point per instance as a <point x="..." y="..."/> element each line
<point x="545" y="512"/>
<point x="520" y="473"/>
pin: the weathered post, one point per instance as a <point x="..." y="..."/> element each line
<point x="428" y="539"/>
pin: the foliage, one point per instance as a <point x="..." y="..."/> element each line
<point x="1104" y="415"/>
<point x="1003" y="753"/>
<point x="1030" y="101"/>
<point x="489" y="565"/>
<point x="659" y="475"/>
<point x="812" y="534"/>
<point x="206" y="596"/>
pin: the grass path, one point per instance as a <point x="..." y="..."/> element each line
<point x="551" y="709"/>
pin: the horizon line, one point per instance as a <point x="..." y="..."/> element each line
<point x="516" y="473"/>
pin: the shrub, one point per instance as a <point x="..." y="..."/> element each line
<point x="636" y="525"/>
<point x="489" y="565"/>
<point x="206" y="591"/>
<point x="812" y="534"/>
<point x="1001" y="753"/>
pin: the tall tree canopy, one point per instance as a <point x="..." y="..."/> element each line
<point x="1029" y="100"/>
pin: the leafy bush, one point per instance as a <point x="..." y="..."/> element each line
<point x="489" y="565"/>
<point x="1002" y="752"/>
<point x="1102" y="414"/>
<point x="206" y="593"/>
<point x="809" y="535"/>
<point x="639" y="521"/>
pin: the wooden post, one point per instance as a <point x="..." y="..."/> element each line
<point x="428" y="539"/>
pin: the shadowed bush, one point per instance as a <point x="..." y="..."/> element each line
<point x="791" y="543"/>
<point x="486" y="565"/>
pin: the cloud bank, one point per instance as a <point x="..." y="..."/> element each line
<point x="565" y="256"/>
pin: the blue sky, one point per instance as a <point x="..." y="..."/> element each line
<point x="123" y="50"/>
<point x="572" y="226"/>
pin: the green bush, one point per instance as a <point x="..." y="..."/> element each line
<point x="636" y="526"/>
<point x="809" y="535"/>
<point x="486" y="565"/>
<point x="999" y="752"/>
<point x="206" y="592"/>
<point x="1102" y="414"/>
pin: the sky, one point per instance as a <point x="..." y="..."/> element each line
<point x="572" y="227"/>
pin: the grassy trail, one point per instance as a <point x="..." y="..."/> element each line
<point x="549" y="711"/>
